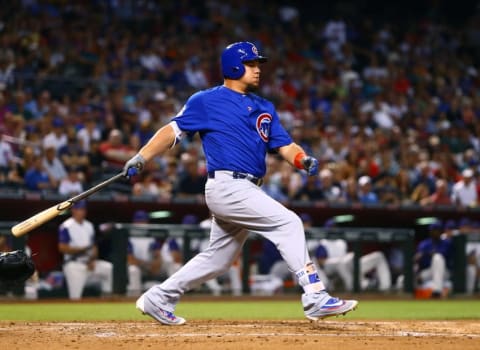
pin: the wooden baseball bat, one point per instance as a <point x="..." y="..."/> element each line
<point x="48" y="214"/>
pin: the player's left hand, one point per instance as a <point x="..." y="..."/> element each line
<point x="310" y="164"/>
<point x="134" y="166"/>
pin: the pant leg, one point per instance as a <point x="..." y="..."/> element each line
<point x="134" y="286"/>
<point x="76" y="274"/>
<point x="280" y="270"/>
<point x="376" y="261"/>
<point x="223" y="249"/>
<point x="344" y="268"/>
<point x="104" y="270"/>
<point x="471" y="276"/>
<point x="247" y="205"/>
<point x="235" y="276"/>
<point x="438" y="268"/>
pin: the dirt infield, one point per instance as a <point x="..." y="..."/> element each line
<point x="212" y="335"/>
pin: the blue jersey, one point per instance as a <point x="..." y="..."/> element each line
<point x="237" y="130"/>
<point x="428" y="247"/>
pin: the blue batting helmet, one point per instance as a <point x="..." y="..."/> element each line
<point x="234" y="55"/>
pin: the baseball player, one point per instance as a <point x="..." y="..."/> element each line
<point x="76" y="237"/>
<point x="237" y="129"/>
<point x="434" y="260"/>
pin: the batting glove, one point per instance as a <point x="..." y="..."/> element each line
<point x="310" y="164"/>
<point x="134" y="166"/>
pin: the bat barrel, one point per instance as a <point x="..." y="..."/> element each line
<point x="38" y="219"/>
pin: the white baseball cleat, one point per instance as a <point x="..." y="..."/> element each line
<point x="317" y="306"/>
<point x="163" y="316"/>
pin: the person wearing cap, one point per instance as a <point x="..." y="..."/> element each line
<point x="464" y="191"/>
<point x="149" y="259"/>
<point x="56" y="138"/>
<point x="433" y="261"/>
<point x="365" y="192"/>
<point x="37" y="178"/>
<point x="81" y="265"/>
<point x="71" y="184"/>
<point x="114" y="151"/>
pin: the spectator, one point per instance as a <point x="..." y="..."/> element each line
<point x="464" y="191"/>
<point x="88" y="133"/>
<point x="115" y="152"/>
<point x="38" y="108"/>
<point x="73" y="156"/>
<point x="52" y="165"/>
<point x="37" y="178"/>
<point x="441" y="196"/>
<point x="76" y="241"/>
<point x="191" y="183"/>
<point x="71" y="184"/>
<point x="330" y="190"/>
<point x="57" y="138"/>
<point x="350" y="193"/>
<point x="424" y="176"/>
<point x="148" y="186"/>
<point x="6" y="159"/>
<point x="311" y="190"/>
<point x="365" y="193"/>
<point x="420" y="193"/>
<point x="392" y="106"/>
<point x="195" y="74"/>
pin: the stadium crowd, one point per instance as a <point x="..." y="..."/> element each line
<point x="390" y="110"/>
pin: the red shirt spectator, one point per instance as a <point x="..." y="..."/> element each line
<point x="114" y="151"/>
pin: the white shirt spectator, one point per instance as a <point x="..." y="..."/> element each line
<point x="85" y="136"/>
<point x="55" y="168"/>
<point x="152" y="62"/>
<point x="196" y="76"/>
<point x="6" y="154"/>
<point x="464" y="192"/>
<point x="335" y="33"/>
<point x="69" y="187"/>
<point x="54" y="140"/>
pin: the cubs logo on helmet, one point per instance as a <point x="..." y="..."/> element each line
<point x="263" y="126"/>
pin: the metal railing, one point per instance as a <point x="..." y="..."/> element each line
<point x="357" y="237"/>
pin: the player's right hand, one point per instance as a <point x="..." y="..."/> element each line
<point x="310" y="164"/>
<point x="134" y="166"/>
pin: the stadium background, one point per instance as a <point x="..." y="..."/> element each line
<point x="193" y="31"/>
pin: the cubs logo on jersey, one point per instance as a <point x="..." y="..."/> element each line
<point x="263" y="123"/>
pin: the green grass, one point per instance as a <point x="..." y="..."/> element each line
<point x="237" y="310"/>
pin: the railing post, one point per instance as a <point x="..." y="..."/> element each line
<point x="119" y="260"/>
<point x="356" y="265"/>
<point x="246" y="266"/>
<point x="18" y="243"/>
<point x="459" y="263"/>
<point x="408" y="253"/>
